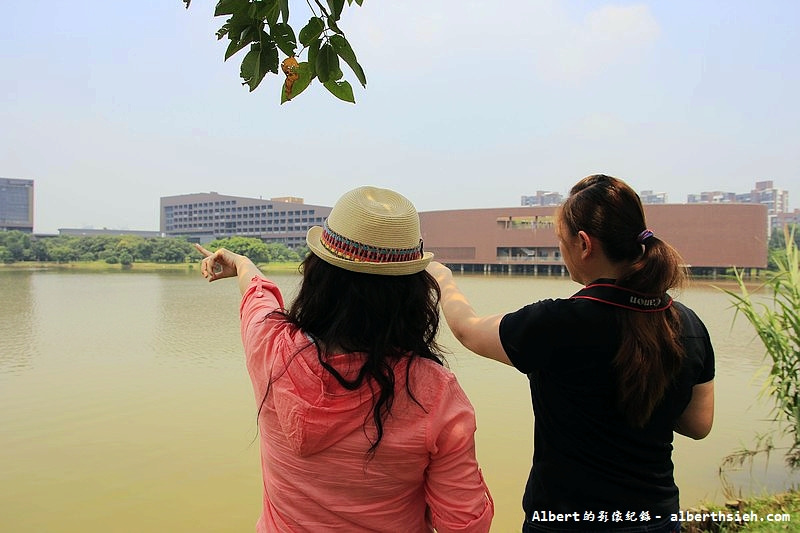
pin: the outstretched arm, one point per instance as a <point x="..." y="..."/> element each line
<point x="478" y="334"/>
<point x="226" y="264"/>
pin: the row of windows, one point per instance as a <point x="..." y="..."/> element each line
<point x="201" y="204"/>
<point x="190" y="210"/>
<point x="229" y="229"/>
<point x="15" y="205"/>
<point x="248" y="219"/>
<point x="519" y="253"/>
<point x="198" y="208"/>
<point x="169" y="210"/>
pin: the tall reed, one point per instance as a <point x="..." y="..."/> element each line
<point x="776" y="319"/>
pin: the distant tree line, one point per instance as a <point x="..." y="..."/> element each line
<point x="258" y="251"/>
<point x="127" y="249"/>
<point x="777" y="244"/>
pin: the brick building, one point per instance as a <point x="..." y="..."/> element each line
<point x="710" y="238"/>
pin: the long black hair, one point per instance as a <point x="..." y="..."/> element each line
<point x="650" y="353"/>
<point x="387" y="318"/>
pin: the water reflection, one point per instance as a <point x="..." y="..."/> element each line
<point x="195" y="324"/>
<point x="126" y="405"/>
<point x="192" y="313"/>
<point x="17" y="322"/>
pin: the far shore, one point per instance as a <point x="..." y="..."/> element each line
<point x="102" y="266"/>
<point x="279" y="267"/>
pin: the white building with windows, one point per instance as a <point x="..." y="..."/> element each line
<point x="203" y="217"/>
<point x="764" y="193"/>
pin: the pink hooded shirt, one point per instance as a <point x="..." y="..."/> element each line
<point x="315" y="435"/>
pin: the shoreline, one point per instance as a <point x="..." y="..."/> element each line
<point x="287" y="266"/>
<point x="102" y="266"/>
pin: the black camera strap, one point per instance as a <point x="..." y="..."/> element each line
<point x="611" y="294"/>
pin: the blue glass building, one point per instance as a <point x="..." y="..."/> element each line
<point x="16" y="205"/>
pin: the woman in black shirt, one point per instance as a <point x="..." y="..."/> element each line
<point x="613" y="370"/>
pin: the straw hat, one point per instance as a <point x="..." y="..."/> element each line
<point x="371" y="230"/>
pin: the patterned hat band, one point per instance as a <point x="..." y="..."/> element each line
<point x="359" y="252"/>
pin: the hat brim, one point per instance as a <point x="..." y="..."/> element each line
<point x="400" y="268"/>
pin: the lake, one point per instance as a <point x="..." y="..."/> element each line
<point x="126" y="406"/>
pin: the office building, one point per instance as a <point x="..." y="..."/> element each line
<point x="650" y="197"/>
<point x="16" y="205"/>
<point x="203" y="217"/>
<point x="787" y="219"/>
<point x="542" y="198"/>
<point x="710" y="238"/>
<point x="549" y="198"/>
<point x="717" y="197"/>
<point x="764" y="193"/>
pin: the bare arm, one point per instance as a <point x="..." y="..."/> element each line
<point x="478" y="334"/>
<point x="226" y="264"/>
<point x="698" y="417"/>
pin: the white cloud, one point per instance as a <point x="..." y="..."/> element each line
<point x="546" y="37"/>
<point x="574" y="51"/>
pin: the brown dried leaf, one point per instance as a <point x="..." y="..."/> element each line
<point x="289" y="67"/>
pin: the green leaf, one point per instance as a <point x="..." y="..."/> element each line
<point x="313" y="53"/>
<point x="336" y="7"/>
<point x="284" y="5"/>
<point x="262" y="58"/>
<point x="311" y="31"/>
<point x="283" y="34"/>
<point x="234" y="47"/>
<point x="237" y="25"/>
<point x="249" y="63"/>
<point x="305" y="74"/>
<point x="229" y="7"/>
<point x="237" y="43"/>
<point x="246" y="34"/>
<point x="332" y="25"/>
<point x="327" y="64"/>
<point x="344" y="51"/>
<point x="269" y="58"/>
<point x="341" y="90"/>
<point x="268" y="10"/>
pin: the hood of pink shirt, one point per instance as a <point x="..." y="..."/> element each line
<point x="315" y="410"/>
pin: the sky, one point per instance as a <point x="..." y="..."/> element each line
<point x="109" y="106"/>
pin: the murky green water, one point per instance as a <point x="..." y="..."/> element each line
<point x="125" y="405"/>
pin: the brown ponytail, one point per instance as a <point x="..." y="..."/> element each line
<point x="650" y="352"/>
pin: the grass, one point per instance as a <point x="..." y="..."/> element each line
<point x="787" y="503"/>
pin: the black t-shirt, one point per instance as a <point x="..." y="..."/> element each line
<point x="586" y="457"/>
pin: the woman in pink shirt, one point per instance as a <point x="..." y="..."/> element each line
<point x="362" y="427"/>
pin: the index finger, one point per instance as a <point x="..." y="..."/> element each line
<point x="202" y="250"/>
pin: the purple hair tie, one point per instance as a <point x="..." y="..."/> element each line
<point x="643" y="236"/>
